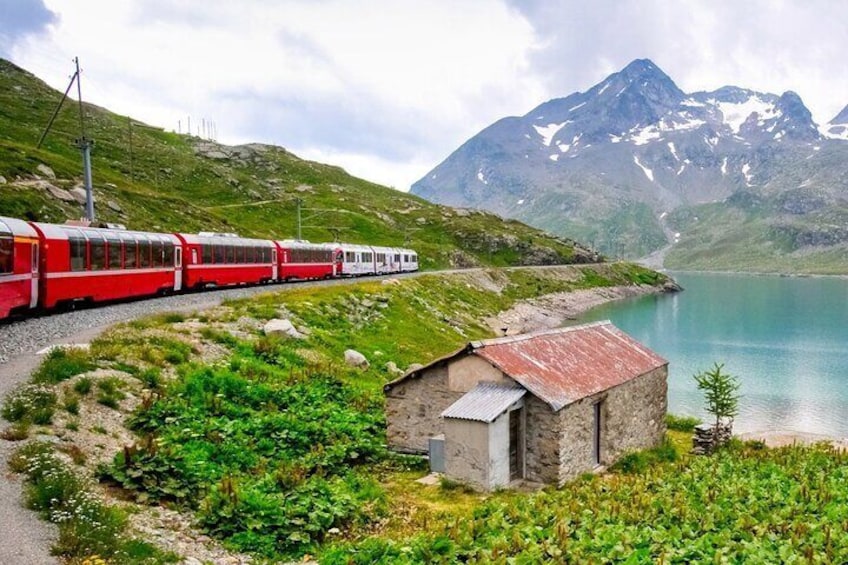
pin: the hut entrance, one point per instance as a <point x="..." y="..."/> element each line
<point x="516" y="453"/>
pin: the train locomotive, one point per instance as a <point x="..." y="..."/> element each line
<point x="45" y="266"/>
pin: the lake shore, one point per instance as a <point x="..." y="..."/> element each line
<point x="555" y="310"/>
<point x="781" y="438"/>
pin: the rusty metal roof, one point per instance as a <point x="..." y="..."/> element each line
<point x="564" y="365"/>
<point x="485" y="402"/>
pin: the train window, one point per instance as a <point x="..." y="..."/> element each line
<point x="350" y="256"/>
<point x="405" y="258"/>
<point x="414" y="258"/>
<point x="130" y="255"/>
<point x="114" y="253"/>
<point x="77" y="251"/>
<point x="266" y="254"/>
<point x="98" y="254"/>
<point x="7" y="250"/>
<point x="207" y="254"/>
<point x="218" y="253"/>
<point x="397" y="258"/>
<point x="144" y="254"/>
<point x="169" y="254"/>
<point x="158" y="259"/>
<point x="367" y="257"/>
<point x="241" y="254"/>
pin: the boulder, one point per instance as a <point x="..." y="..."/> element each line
<point x="114" y="206"/>
<point x="2" y="179"/>
<point x="60" y="193"/>
<point x="393" y="370"/>
<point x="78" y="194"/>
<point x="356" y="359"/>
<point x="46" y="171"/>
<point x="282" y="328"/>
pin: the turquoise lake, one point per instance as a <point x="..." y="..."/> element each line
<point x="785" y="338"/>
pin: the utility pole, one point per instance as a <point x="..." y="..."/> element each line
<point x="299" y="203"/>
<point x="85" y="146"/>
<point x="83" y="143"/>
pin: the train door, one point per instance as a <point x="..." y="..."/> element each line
<point x="274" y="263"/>
<point x="178" y="268"/>
<point x="33" y="297"/>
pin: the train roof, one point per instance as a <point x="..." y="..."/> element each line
<point x="193" y="238"/>
<point x="63" y="232"/>
<point x="300" y="244"/>
<point x="16" y="227"/>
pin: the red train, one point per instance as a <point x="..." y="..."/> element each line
<point x="49" y="265"/>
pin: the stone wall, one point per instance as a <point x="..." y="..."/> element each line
<point x="632" y="418"/>
<point x="576" y="442"/>
<point x="542" y="441"/>
<point x="634" y="415"/>
<point x="414" y="408"/>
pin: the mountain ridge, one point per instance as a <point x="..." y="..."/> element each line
<point x="615" y="164"/>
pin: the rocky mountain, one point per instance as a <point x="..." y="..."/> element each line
<point x="731" y="179"/>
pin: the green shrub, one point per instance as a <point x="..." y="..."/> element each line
<point x="110" y="393"/>
<point x="681" y="423"/>
<point x="71" y="404"/>
<point x="62" y="364"/>
<point x="32" y="403"/>
<point x="639" y="461"/>
<point x="83" y="386"/>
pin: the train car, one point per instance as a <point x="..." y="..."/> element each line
<point x="357" y="260"/>
<point x="409" y="260"/>
<point x="19" y="249"/>
<point x="303" y="260"/>
<point x="215" y="259"/>
<point x="386" y="260"/>
<point x="95" y="264"/>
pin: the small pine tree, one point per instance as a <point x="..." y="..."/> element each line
<point x="721" y="393"/>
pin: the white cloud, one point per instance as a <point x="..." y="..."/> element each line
<point x="387" y="89"/>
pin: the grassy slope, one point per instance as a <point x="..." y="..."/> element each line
<point x="725" y="237"/>
<point x="175" y="182"/>
<point x="284" y="497"/>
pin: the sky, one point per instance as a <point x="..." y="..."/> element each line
<point x="387" y="89"/>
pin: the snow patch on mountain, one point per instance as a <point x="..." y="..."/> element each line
<point x="736" y="113"/>
<point x="549" y="131"/>
<point x="648" y="172"/>
<point x="673" y="151"/>
<point x="481" y="177"/>
<point x="746" y="170"/>
<point x="835" y="131"/>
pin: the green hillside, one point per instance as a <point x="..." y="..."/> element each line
<point x="149" y="179"/>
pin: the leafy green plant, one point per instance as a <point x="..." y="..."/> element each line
<point x="63" y="363"/>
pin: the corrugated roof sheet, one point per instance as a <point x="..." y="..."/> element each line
<point x="484" y="402"/>
<point x="564" y="365"/>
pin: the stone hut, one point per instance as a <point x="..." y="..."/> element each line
<point x="542" y="407"/>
